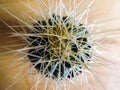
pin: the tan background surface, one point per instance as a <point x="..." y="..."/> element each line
<point x="102" y="9"/>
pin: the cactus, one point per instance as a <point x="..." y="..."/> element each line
<point x="60" y="44"/>
<point x="63" y="47"/>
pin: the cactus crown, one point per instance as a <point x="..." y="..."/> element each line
<point x="63" y="47"/>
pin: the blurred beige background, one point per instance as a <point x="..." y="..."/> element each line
<point x="100" y="10"/>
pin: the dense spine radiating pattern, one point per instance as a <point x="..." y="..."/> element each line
<point x="58" y="56"/>
<point x="62" y="46"/>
